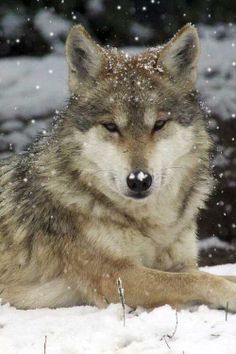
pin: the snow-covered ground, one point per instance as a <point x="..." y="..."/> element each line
<point x="88" y="330"/>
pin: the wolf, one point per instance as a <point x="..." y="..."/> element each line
<point x="114" y="190"/>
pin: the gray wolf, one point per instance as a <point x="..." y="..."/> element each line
<point x="114" y="190"/>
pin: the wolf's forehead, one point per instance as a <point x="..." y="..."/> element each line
<point x="135" y="92"/>
<point x="132" y="89"/>
<point x="118" y="62"/>
<point x="132" y="109"/>
<point x="134" y="80"/>
<point x="133" y="71"/>
<point x="136" y="118"/>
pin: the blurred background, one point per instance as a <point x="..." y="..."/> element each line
<point x="33" y="79"/>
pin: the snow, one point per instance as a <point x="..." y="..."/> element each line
<point x="47" y="22"/>
<point x="53" y="28"/>
<point x="95" y="7"/>
<point x="88" y="330"/>
<point x="11" y="24"/>
<point x="31" y="87"/>
<point x="217" y="69"/>
<point x="140" y="31"/>
<point x="214" y="242"/>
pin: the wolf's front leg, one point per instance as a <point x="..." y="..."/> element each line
<point x="231" y="278"/>
<point x="150" y="288"/>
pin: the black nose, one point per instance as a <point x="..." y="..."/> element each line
<point x="139" y="181"/>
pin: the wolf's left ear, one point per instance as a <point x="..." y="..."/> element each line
<point x="84" y="56"/>
<point x="181" y="54"/>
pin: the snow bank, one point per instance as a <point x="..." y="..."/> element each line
<point x="31" y="87"/>
<point x="214" y="242"/>
<point x="53" y="28"/>
<point x="87" y="330"/>
<point x="217" y="69"/>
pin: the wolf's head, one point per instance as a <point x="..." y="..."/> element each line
<point x="136" y="118"/>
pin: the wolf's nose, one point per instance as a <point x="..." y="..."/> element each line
<point x="139" y="181"/>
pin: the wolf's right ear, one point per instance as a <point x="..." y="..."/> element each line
<point x="181" y="54"/>
<point x="84" y="56"/>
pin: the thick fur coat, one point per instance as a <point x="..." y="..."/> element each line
<point x="70" y="225"/>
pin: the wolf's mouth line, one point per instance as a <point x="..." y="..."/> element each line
<point x="138" y="196"/>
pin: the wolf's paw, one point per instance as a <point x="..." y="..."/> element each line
<point x="228" y="297"/>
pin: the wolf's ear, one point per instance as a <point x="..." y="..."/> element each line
<point x="181" y="54"/>
<point x="84" y="56"/>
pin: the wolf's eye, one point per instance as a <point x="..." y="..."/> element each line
<point x="159" y="124"/>
<point x="111" y="127"/>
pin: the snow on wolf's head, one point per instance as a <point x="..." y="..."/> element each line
<point x="138" y="125"/>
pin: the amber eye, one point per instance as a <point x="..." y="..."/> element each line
<point x="159" y="125"/>
<point x="111" y="127"/>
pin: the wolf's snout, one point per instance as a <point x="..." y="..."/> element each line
<point x="139" y="182"/>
